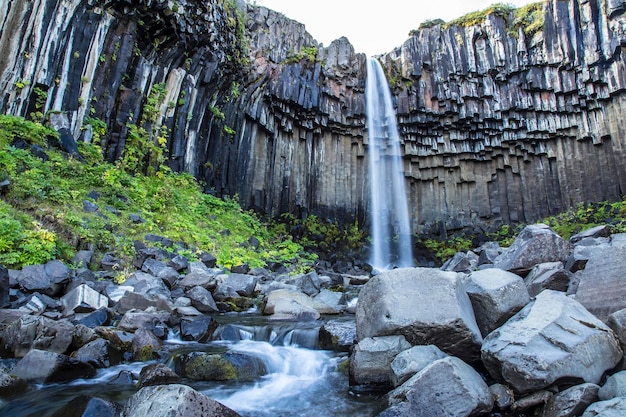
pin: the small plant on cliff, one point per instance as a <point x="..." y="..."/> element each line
<point x="308" y="53"/>
<point x="530" y="18"/>
<point x="479" y="16"/>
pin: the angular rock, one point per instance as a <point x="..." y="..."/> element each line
<point x="243" y="285"/>
<point x="173" y="400"/>
<point x="11" y="385"/>
<point x="496" y="295"/>
<point x="137" y="319"/>
<point x="615" y="407"/>
<point x="99" y="353"/>
<point x="333" y="299"/>
<point x="550" y="340"/>
<point x="200" y="329"/>
<point x="427" y="306"/>
<point x="157" y="374"/>
<point x="88" y="406"/>
<point x="503" y="396"/>
<point x="286" y="304"/>
<point x="31" y="332"/>
<point x="615" y="386"/>
<point x="202" y="299"/>
<point x="83" y="299"/>
<point x="119" y="340"/>
<point x="193" y="279"/>
<point x="411" y="361"/>
<point x="617" y="323"/>
<point x="4" y="287"/>
<point x="531" y="401"/>
<point x="145" y="345"/>
<point x="100" y="317"/>
<point x="147" y="284"/>
<point x="132" y="300"/>
<point x="571" y="402"/>
<point x="338" y="335"/>
<point x="41" y="366"/>
<point x="602" y="287"/>
<point x="370" y="361"/>
<point x="534" y="245"/>
<point x="447" y="387"/>
<point x="47" y="279"/>
<point x="548" y="275"/>
<point x="602" y="230"/>
<point x="461" y="262"/>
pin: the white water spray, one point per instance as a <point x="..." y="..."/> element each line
<point x="390" y="228"/>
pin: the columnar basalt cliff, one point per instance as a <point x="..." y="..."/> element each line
<point x="497" y="126"/>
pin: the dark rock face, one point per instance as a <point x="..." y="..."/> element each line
<point x="496" y="125"/>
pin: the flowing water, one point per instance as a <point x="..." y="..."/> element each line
<point x="301" y="379"/>
<point x="390" y="227"/>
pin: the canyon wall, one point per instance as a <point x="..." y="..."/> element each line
<point x="497" y="126"/>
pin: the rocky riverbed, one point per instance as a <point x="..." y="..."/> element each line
<point x="534" y="329"/>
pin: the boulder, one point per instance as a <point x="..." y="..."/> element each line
<point x="47" y="279"/>
<point x="535" y="244"/>
<point x="427" y="306"/>
<point x="157" y="374"/>
<point x="99" y="353"/>
<point x="550" y="340"/>
<point x="615" y="407"/>
<point x="31" y="332"/>
<point x="83" y="299"/>
<point x="602" y="287"/>
<point x="503" y="396"/>
<point x="200" y="329"/>
<point x="202" y="299"/>
<point x="11" y="385"/>
<point x="295" y="305"/>
<point x="132" y="300"/>
<point x="241" y="284"/>
<point x="173" y="400"/>
<point x="571" y="402"/>
<point x="615" y="386"/>
<point x="145" y="345"/>
<point x="531" y="401"/>
<point x="548" y="275"/>
<point x="617" y="322"/>
<point x="496" y="295"/>
<point x="148" y="285"/>
<point x="136" y="319"/>
<point x="461" y="262"/>
<point x="370" y="362"/>
<point x="333" y="299"/>
<point x="448" y="387"/>
<point x="228" y="366"/>
<point x="411" y="361"/>
<point x="40" y="366"/>
<point x="339" y="335"/>
<point x="603" y="230"/>
<point x="200" y="278"/>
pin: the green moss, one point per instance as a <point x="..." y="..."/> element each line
<point x="474" y="18"/>
<point x="210" y="368"/>
<point x="530" y="18"/>
<point x="308" y="53"/>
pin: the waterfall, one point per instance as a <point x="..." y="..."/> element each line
<point x="390" y="228"/>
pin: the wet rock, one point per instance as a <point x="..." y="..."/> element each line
<point x="338" y="335"/>
<point x="295" y="305"/>
<point x="83" y="299"/>
<point x="548" y="275"/>
<point x="447" y="387"/>
<point x="145" y="345"/>
<point x="535" y="244"/>
<point x="98" y="353"/>
<point x="427" y="306"/>
<point x="370" y="361"/>
<point x="119" y="340"/>
<point x="10" y="384"/>
<point x="496" y="295"/>
<point x="229" y="366"/>
<point x="571" y="342"/>
<point x="88" y="406"/>
<point x="42" y="366"/>
<point x="100" y="317"/>
<point x="411" y="361"/>
<point x="200" y="329"/>
<point x="571" y="402"/>
<point x="157" y="374"/>
<point x="173" y="400"/>
<point x="615" y="386"/>
<point x="136" y="319"/>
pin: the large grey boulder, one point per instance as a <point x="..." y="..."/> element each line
<point x="202" y="299"/>
<point x="47" y="279"/>
<point x="338" y="335"/>
<point x="411" y="361"/>
<point x="228" y="366"/>
<point x="615" y="407"/>
<point x="241" y="284"/>
<point x="496" y="295"/>
<point x="535" y="244"/>
<point x="446" y="388"/>
<point x="602" y="287"/>
<point x="41" y="366"/>
<point x="173" y="400"/>
<point x="286" y="304"/>
<point x="83" y="299"/>
<point x="571" y="402"/>
<point x="617" y="322"/>
<point x="426" y="305"/>
<point x="551" y="339"/>
<point x="370" y="362"/>
<point x="99" y="353"/>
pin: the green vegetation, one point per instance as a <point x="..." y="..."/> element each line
<point x="308" y="53"/>
<point x="237" y="21"/>
<point x="428" y="24"/>
<point x="530" y="18"/>
<point x="42" y="215"/>
<point x="474" y="18"/>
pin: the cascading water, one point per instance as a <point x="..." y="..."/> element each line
<point x="390" y="228"/>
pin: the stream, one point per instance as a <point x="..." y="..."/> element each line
<point x="301" y="379"/>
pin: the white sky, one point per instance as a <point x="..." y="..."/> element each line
<point x="373" y="27"/>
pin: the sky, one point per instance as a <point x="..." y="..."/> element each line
<point x="373" y="27"/>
